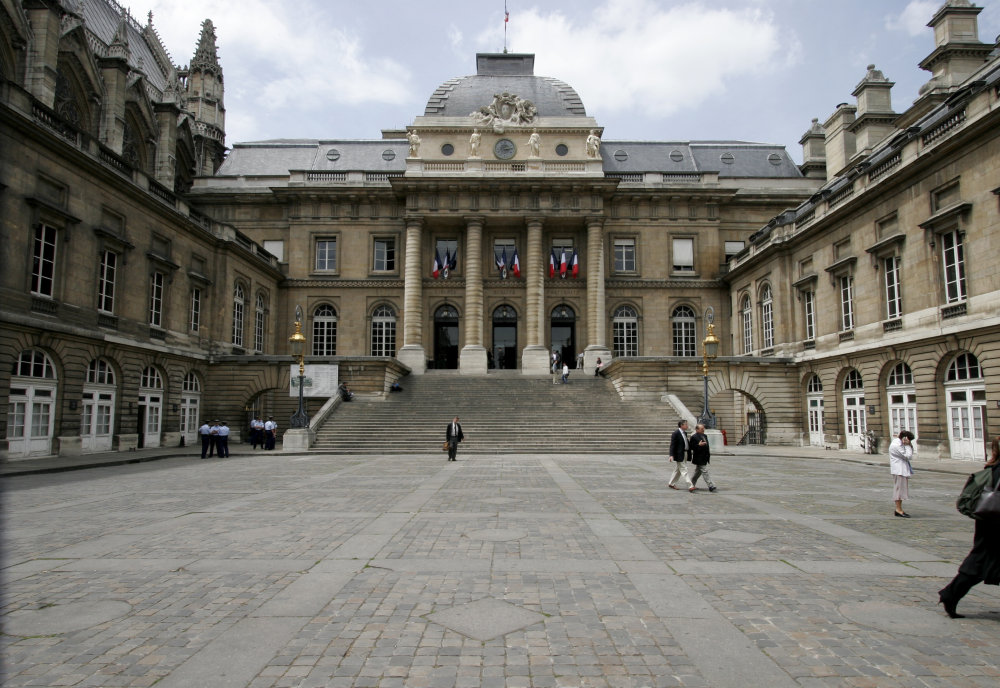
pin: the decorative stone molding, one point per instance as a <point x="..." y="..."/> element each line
<point x="507" y="109"/>
<point x="664" y="284"/>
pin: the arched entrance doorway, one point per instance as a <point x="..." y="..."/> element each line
<point x="965" y="391"/>
<point x="505" y="338"/>
<point x="564" y="334"/>
<point x="190" y="409"/>
<point x="446" y="338"/>
<point x="855" y="423"/>
<point x="98" y="418"/>
<point x="814" y="400"/>
<point x="31" y="417"/>
<point x="150" y="408"/>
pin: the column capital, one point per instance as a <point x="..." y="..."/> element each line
<point x="472" y="220"/>
<point x="536" y="220"/>
<point x="414" y="220"/>
<point x="594" y="220"/>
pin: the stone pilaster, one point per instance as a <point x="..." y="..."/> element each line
<point x="596" y="306"/>
<point x="534" y="357"/>
<point x="472" y="360"/>
<point x="412" y="354"/>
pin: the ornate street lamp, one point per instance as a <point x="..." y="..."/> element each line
<point x="297" y="343"/>
<point x="710" y="347"/>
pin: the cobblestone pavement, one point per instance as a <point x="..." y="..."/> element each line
<point x="520" y="571"/>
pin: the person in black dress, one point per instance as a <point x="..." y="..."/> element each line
<point x="983" y="563"/>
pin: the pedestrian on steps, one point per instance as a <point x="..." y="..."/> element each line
<point x="555" y="362"/>
<point x="565" y="373"/>
<point x="453" y="436"/>
<point x="700" y="456"/>
<point x="983" y="563"/>
<point x="579" y="361"/>
<point x="679" y="453"/>
<point x="900" y="455"/>
<point x="597" y="368"/>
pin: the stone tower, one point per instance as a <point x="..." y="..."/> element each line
<point x="203" y="97"/>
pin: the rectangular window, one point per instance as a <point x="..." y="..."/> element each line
<point x="195" y="310"/>
<point x="156" y="300"/>
<point x="326" y="255"/>
<point x="43" y="266"/>
<point x="847" y="303"/>
<point x="501" y="246"/>
<point x="733" y="247"/>
<point x="276" y="249"/>
<point x="626" y="337"/>
<point x="560" y="246"/>
<point x="624" y="255"/>
<point x="385" y="255"/>
<point x="954" y="266"/>
<point x="449" y="247"/>
<point x="106" y="285"/>
<point x="15" y="419"/>
<point x="258" y="331"/>
<point x="685" y="343"/>
<point x="683" y="255"/>
<point x="810" y="315"/>
<point x="893" y="299"/>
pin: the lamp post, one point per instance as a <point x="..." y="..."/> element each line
<point x="297" y="343"/>
<point x="710" y="348"/>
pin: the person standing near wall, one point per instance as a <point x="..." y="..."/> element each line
<point x="900" y="455"/>
<point x="206" y="438"/>
<point x="270" y="429"/>
<point x="224" y="440"/>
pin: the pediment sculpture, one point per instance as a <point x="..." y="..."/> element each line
<point x="506" y="109"/>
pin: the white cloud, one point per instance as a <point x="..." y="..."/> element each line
<point x="455" y="38"/>
<point x="286" y="58"/>
<point x="637" y="55"/>
<point x="914" y="17"/>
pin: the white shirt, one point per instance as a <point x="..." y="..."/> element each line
<point x="565" y="369"/>
<point x="270" y="425"/>
<point x="899" y="458"/>
<point x="214" y="430"/>
<point x="224" y="431"/>
<point x="204" y="429"/>
<point x="257" y="425"/>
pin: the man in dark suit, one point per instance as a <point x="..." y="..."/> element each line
<point x="454" y="435"/>
<point x="701" y="454"/>
<point x="679" y="453"/>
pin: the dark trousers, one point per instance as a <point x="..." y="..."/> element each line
<point x="213" y="442"/>
<point x="452" y="448"/>
<point x="959" y="587"/>
<point x="254" y="438"/>
<point x="223" y="443"/>
<point x="270" y="440"/>
<point x="205" y="443"/>
<point x="566" y="379"/>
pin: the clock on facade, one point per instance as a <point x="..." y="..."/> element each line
<point x="504" y="149"/>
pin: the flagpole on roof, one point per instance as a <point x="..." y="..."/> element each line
<point x="506" y="18"/>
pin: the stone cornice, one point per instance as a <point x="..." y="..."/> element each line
<point x="663" y="284"/>
<point x="500" y="284"/>
<point x="344" y="284"/>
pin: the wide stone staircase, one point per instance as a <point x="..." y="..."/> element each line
<point x="503" y="412"/>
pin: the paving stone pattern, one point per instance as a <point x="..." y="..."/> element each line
<point x="514" y="571"/>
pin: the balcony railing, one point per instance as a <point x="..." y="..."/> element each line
<point x="945" y="126"/>
<point x="892" y="325"/>
<point x="326" y="176"/>
<point x="625" y="178"/>
<point x="107" y="320"/>
<point x="49" y="119"/>
<point x="44" y="306"/>
<point x="115" y="162"/>
<point x="671" y="177"/>
<point x="163" y="193"/>
<point x="500" y="166"/>
<point x="809" y="344"/>
<point x="847" y="336"/>
<point x="884" y="167"/>
<point x="841" y="195"/>
<point x="565" y="167"/>
<point x="956" y="311"/>
<point x="381" y="176"/>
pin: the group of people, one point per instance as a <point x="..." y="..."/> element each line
<point x="214" y="438"/>
<point x="694" y="449"/>
<point x="263" y="433"/>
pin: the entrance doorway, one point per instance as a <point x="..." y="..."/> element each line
<point x="855" y="425"/>
<point x="965" y="390"/>
<point x="814" y="399"/>
<point x="31" y="414"/>
<point x="150" y="408"/>
<point x="446" y="338"/>
<point x="564" y="334"/>
<point x="505" y="338"/>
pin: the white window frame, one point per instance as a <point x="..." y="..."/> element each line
<point x="902" y="396"/>
<point x="846" y="303"/>
<point x="855" y="420"/>
<point x="625" y="332"/>
<point x="680" y="267"/>
<point x="156" y="299"/>
<point x="324" y="331"/>
<point x="385" y="241"/>
<point x="259" y="324"/>
<point x="623" y="261"/>
<point x="953" y="259"/>
<point x="893" y="296"/>
<point x="195" y="309"/>
<point x="684" y="331"/>
<point x="767" y="317"/>
<point x="43" y="265"/>
<point x="383" y="331"/>
<point x="967" y="416"/>
<point x="728" y="245"/>
<point x="746" y="315"/>
<point x="239" y="304"/>
<point x="107" y="269"/>
<point x="324" y="261"/>
<point x="810" y="305"/>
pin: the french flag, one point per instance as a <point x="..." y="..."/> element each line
<point x="552" y="263"/>
<point x="576" y="265"/>
<point x="453" y="260"/>
<point x="562" y="264"/>
<point x="515" y="264"/>
<point x="437" y="264"/>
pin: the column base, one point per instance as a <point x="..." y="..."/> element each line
<point x="714" y="440"/>
<point x="299" y="439"/>
<point x="590" y="356"/>
<point x="472" y="360"/>
<point x="534" y="360"/>
<point x="414" y="358"/>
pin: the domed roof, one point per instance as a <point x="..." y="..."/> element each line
<point x="499" y="72"/>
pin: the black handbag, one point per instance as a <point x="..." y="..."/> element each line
<point x="988" y="508"/>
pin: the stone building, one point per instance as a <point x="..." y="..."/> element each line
<point x="155" y="275"/>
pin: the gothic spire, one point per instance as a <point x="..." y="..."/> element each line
<point x="206" y="57"/>
<point x="119" y="44"/>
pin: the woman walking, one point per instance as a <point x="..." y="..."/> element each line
<point x="983" y="563"/>
<point x="900" y="454"/>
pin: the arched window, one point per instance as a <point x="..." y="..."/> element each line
<point x="33" y="363"/>
<point x="151" y="379"/>
<point x="767" y="317"/>
<point x="685" y="337"/>
<point x="625" y="327"/>
<point x="384" y="331"/>
<point x="853" y="381"/>
<point x="964" y="367"/>
<point x="446" y="312"/>
<point x="815" y="385"/>
<point x="191" y="383"/>
<point x="100" y="373"/>
<point x="324" y="331"/>
<point x="238" y="306"/>
<point x="902" y="399"/>
<point x="900" y="375"/>
<point x="258" y="324"/>
<point x="746" y="313"/>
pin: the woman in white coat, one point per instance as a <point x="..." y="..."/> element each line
<point x="900" y="454"/>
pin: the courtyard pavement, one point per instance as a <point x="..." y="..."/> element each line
<point x="495" y="571"/>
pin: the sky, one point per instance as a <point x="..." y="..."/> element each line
<point x="754" y="70"/>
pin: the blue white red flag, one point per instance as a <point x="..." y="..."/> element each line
<point x="552" y="263"/>
<point x="515" y="264"/>
<point x="437" y="264"/>
<point x="453" y="260"/>
<point x="562" y="264"/>
<point x="576" y="265"/>
<point x="500" y="262"/>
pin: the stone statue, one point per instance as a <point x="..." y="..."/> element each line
<point x="474" y="143"/>
<point x="506" y="109"/>
<point x="534" y="144"/>
<point x="594" y="145"/>
<point x="414" y="144"/>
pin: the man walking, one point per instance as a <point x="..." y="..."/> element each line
<point x="700" y="455"/>
<point x="223" y="441"/>
<point x="270" y="428"/>
<point x="453" y="436"/>
<point x="565" y="373"/>
<point x="555" y="362"/>
<point x="679" y="451"/>
<point x="206" y="438"/>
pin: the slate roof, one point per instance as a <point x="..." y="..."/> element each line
<point x="461" y="96"/>
<point x="276" y="157"/>
<point x="748" y="159"/>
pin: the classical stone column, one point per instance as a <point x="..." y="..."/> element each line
<point x="534" y="357"/>
<point x="596" y="306"/>
<point x="472" y="360"/>
<point x="412" y="353"/>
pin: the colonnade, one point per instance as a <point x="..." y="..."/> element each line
<point x="534" y="356"/>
